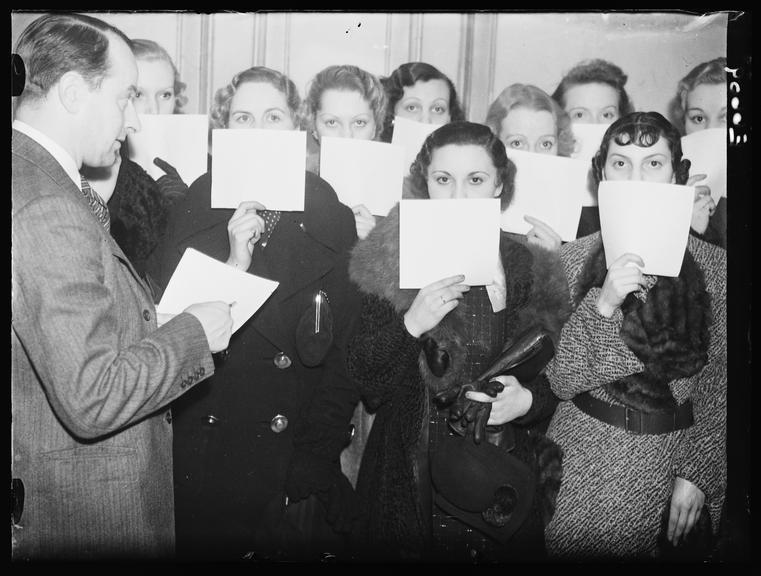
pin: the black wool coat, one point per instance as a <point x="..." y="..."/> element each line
<point x="229" y="465"/>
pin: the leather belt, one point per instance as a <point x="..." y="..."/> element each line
<point x="636" y="421"/>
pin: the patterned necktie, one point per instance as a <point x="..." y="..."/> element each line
<point x="271" y="218"/>
<point x="97" y="205"/>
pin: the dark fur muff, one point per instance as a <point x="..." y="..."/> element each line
<point x="669" y="332"/>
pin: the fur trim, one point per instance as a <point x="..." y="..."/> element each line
<point x="669" y="332"/>
<point x="537" y="292"/>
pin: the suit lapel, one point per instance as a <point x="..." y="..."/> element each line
<point x="30" y="149"/>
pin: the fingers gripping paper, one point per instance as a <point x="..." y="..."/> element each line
<point x="441" y="238"/>
<point x="650" y="220"/>
<point x="201" y="278"/>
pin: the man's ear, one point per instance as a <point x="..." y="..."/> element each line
<point x="73" y="91"/>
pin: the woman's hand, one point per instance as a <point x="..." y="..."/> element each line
<point x="364" y="220"/>
<point x="513" y="402"/>
<point x="704" y="206"/>
<point x="622" y="278"/>
<point x="686" y="502"/>
<point x="542" y="234"/>
<point x="432" y="303"/>
<point x="243" y="231"/>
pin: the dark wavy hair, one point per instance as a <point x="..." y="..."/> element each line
<point x="533" y="98"/>
<point x="151" y="51"/>
<point x="642" y="129"/>
<point x="58" y="43"/>
<point x="219" y="115"/>
<point x="408" y="75"/>
<point x="711" y="72"/>
<point x="463" y="134"/>
<point x="596" y="71"/>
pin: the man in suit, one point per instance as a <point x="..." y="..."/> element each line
<point x="91" y="373"/>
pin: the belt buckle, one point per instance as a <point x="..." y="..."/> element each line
<point x="633" y="421"/>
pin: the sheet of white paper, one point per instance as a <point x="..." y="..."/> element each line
<point x="588" y="138"/>
<point x="182" y="140"/>
<point x="410" y="135"/>
<point x="707" y="150"/>
<point x="363" y="172"/>
<point x="441" y="238"/>
<point x="268" y="166"/>
<point x="549" y="188"/>
<point x="650" y="220"/>
<point x="201" y="278"/>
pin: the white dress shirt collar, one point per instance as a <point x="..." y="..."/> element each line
<point x="56" y="150"/>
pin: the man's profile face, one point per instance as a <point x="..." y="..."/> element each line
<point x="110" y="113"/>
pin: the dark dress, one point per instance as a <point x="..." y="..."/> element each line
<point x="394" y="486"/>
<point x="232" y="446"/>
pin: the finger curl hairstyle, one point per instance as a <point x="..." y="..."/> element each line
<point x="642" y="129"/>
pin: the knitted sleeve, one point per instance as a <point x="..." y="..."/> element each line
<point x="590" y="352"/>
<point x="701" y="455"/>
<point x="381" y="353"/>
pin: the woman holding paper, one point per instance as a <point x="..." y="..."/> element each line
<point x="256" y="455"/>
<point x="526" y="118"/>
<point x="413" y="345"/>
<point x="641" y="370"/>
<point x="701" y="104"/>
<point x="420" y="92"/>
<point x="345" y="102"/>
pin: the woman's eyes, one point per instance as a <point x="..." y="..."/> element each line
<point x="476" y="180"/>
<point x="137" y="95"/>
<point x="168" y="95"/>
<point x="438" y="109"/>
<point x="547" y="144"/>
<point x="330" y="123"/>
<point x="442" y="179"/>
<point x="578" y="115"/>
<point x="411" y="107"/>
<point x="610" y="115"/>
<point x="656" y="164"/>
<point x="360" y="123"/>
<point x="697" y="119"/>
<point x="242" y="119"/>
<point x="618" y="164"/>
<point x="517" y="144"/>
<point x="274" y="117"/>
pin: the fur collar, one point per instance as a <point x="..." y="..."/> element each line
<point x="537" y="292"/>
<point x="668" y="332"/>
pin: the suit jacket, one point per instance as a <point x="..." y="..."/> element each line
<point x="91" y="378"/>
<point x="230" y="465"/>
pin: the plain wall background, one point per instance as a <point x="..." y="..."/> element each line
<point x="481" y="52"/>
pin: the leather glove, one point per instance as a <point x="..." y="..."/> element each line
<point x="170" y="184"/>
<point x="470" y="416"/>
<point x="311" y="474"/>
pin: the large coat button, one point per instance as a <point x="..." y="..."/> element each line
<point x="210" y="420"/>
<point x="279" y="423"/>
<point x="281" y="360"/>
<point x="147" y="315"/>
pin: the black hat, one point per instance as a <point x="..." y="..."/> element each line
<point x="482" y="485"/>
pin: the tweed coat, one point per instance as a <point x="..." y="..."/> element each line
<point x="617" y="484"/>
<point x="91" y="379"/>
<point x="231" y="469"/>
